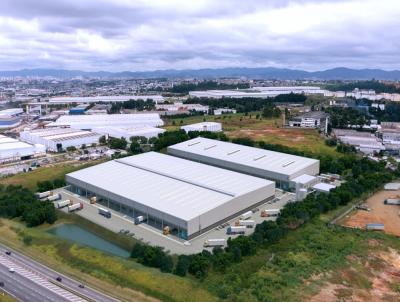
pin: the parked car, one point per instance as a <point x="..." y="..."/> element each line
<point x="11" y="270"/>
<point x="81" y="286"/>
<point x="8" y="252"/>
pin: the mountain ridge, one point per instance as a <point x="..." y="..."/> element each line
<point x="339" y="73"/>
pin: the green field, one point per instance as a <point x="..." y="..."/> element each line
<point x="5" y="297"/>
<point x="30" y="179"/>
<point x="268" y="130"/>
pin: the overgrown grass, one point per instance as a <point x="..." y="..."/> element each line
<point x="4" y="297"/>
<point x="278" y="272"/>
<point x="269" y="130"/>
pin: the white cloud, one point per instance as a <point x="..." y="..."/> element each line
<point x="147" y="35"/>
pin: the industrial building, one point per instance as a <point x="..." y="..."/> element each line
<point x="365" y="142"/>
<point x="257" y="92"/>
<point x="10" y="117"/>
<point x="56" y="139"/>
<point x="79" y="109"/>
<point x="188" y="197"/>
<point x="127" y="133"/>
<point x="312" y="119"/>
<point x="14" y="150"/>
<point x="279" y="167"/>
<point x="88" y="122"/>
<point x="205" y="126"/>
<point x="103" y="99"/>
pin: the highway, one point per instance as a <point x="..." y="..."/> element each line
<point x="34" y="282"/>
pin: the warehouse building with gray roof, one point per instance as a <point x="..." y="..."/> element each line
<point x="188" y="197"/>
<point x="276" y="166"/>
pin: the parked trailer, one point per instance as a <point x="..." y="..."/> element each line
<point x="54" y="197"/>
<point x="375" y="226"/>
<point x="75" y="206"/>
<point x="43" y="194"/>
<point x="270" y="213"/>
<point x="246" y="215"/>
<point x="214" y="242"/>
<point x="247" y="223"/>
<point x="139" y="219"/>
<point x="105" y="213"/>
<point x="63" y="203"/>
<point x="393" y="201"/>
<point x="236" y="230"/>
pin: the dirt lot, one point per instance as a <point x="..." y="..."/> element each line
<point x="375" y="279"/>
<point x="380" y="213"/>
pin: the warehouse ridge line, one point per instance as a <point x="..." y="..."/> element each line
<point x="176" y="178"/>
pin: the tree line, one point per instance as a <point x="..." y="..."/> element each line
<point x="184" y="88"/>
<point x="139" y="105"/>
<point x="17" y="201"/>
<point x="247" y="104"/>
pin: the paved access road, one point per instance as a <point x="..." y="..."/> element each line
<point x="34" y="282"/>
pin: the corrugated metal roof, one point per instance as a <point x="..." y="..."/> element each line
<point x="282" y="163"/>
<point x="176" y="186"/>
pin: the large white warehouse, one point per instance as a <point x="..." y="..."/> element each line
<point x="205" y="126"/>
<point x="188" y="197"/>
<point x="276" y="166"/>
<point x="88" y="122"/>
<point x="55" y="139"/>
<point x="13" y="150"/>
<point x="127" y="133"/>
<point x="104" y="99"/>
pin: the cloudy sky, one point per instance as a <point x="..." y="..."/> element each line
<point x="137" y="35"/>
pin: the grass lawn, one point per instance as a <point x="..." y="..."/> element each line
<point x="30" y="179"/>
<point x="124" y="278"/>
<point x="268" y="130"/>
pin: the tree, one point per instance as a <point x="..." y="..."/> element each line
<point x="182" y="265"/>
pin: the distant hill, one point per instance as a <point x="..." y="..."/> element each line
<point x="340" y="73"/>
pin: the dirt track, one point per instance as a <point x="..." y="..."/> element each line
<point x="380" y="213"/>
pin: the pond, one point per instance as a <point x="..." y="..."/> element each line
<point x="81" y="236"/>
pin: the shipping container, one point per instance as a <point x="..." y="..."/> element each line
<point x="214" y="242"/>
<point x="392" y="201"/>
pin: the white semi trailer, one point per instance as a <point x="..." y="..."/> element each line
<point x="75" y="206"/>
<point x="54" y="197"/>
<point x="63" y="203"/>
<point x="42" y="195"/>
<point x="236" y="230"/>
<point x="246" y="215"/>
<point x="214" y="242"/>
<point x="247" y="223"/>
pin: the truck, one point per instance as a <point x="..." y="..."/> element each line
<point x="236" y="230"/>
<point x="93" y="200"/>
<point x="270" y="213"/>
<point x="41" y="195"/>
<point x="392" y="201"/>
<point x="247" y="223"/>
<point x="139" y="219"/>
<point x="214" y="242"/>
<point x="75" y="206"/>
<point x="63" y="203"/>
<point x="54" y="197"/>
<point x="246" y="215"/>
<point x="105" y="213"/>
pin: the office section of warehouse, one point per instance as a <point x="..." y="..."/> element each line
<point x="188" y="197"/>
<point x="279" y="167"/>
